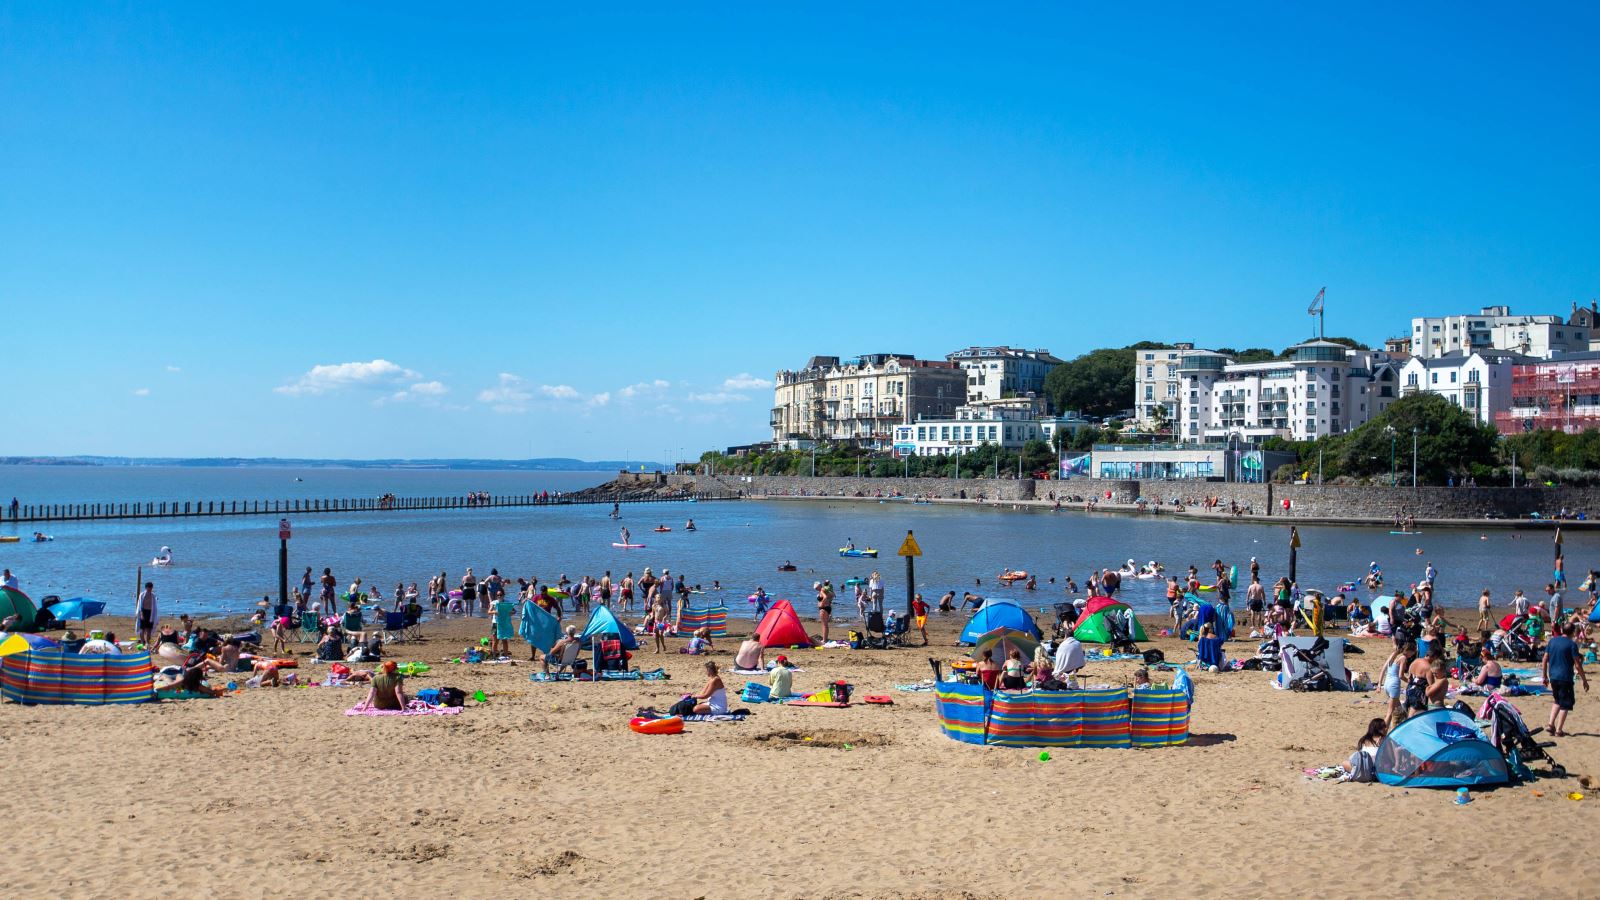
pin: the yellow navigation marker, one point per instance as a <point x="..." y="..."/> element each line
<point x="910" y="548"/>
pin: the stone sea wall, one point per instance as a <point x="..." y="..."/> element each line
<point x="1324" y="501"/>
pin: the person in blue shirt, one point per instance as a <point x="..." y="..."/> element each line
<point x="1561" y="663"/>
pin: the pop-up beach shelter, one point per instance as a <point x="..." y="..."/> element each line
<point x="997" y="613"/>
<point x="602" y="622"/>
<point x="781" y="627"/>
<point x="1439" y="748"/>
<point x="1093" y="627"/>
<point x="15" y="603"/>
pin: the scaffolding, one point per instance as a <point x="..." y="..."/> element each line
<point x="1555" y="396"/>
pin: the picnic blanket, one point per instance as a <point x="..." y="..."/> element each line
<point x="633" y="675"/>
<point x="921" y="687"/>
<point x="716" y="717"/>
<point x="414" y="708"/>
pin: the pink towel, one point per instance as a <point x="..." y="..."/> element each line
<point x="416" y="708"/>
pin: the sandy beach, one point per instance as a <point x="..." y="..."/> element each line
<point x="275" y="791"/>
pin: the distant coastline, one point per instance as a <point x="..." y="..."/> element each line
<point x="545" y="464"/>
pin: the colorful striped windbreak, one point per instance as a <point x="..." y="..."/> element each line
<point x="1106" y="717"/>
<point x="49" y="676"/>
<point x="713" y="617"/>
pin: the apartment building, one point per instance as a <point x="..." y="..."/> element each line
<point x="996" y="373"/>
<point x="1478" y="382"/>
<point x="861" y="399"/>
<point x="1495" y="328"/>
<point x="1156" y="382"/>
<point x="1323" y="388"/>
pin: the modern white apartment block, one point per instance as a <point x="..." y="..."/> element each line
<point x="995" y="373"/>
<point x="862" y="399"/>
<point x="1495" y="328"/>
<point x="1006" y="426"/>
<point x="1156" y="383"/>
<point x="1323" y="388"/>
<point x="1478" y="382"/>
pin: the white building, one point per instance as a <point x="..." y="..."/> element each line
<point x="1323" y="388"/>
<point x="1156" y="383"/>
<point x="1495" y="328"/>
<point x="1008" y="427"/>
<point x="995" y="373"/>
<point x="1478" y="382"/>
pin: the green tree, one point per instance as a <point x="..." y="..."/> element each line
<point x="1097" y="383"/>
<point x="1449" y="442"/>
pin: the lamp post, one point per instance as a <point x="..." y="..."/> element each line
<point x="813" y="459"/>
<point x="1390" y="429"/>
<point x="1413" y="458"/>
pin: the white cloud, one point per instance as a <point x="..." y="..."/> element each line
<point x="141" y="392"/>
<point x="511" y="395"/>
<point x="644" y="388"/>
<point x="744" y="381"/>
<point x="559" y="391"/>
<point x="717" y="398"/>
<point x="174" y="369"/>
<point x="426" y="392"/>
<point x="600" y="399"/>
<point x="323" y="379"/>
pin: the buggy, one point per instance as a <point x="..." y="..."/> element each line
<point x="1509" y="734"/>
<point x="1307" y="668"/>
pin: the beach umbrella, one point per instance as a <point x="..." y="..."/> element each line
<point x="1002" y="641"/>
<point x="81" y="608"/>
<point x="22" y="643"/>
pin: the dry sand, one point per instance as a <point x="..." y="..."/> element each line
<point x="544" y="789"/>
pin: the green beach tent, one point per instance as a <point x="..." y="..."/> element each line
<point x="1093" y="628"/>
<point x="15" y="603"/>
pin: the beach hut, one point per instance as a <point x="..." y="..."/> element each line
<point x="781" y="627"/>
<point x="603" y="622"/>
<point x="997" y="613"/>
<point x="1093" y="627"/>
<point x="53" y="677"/>
<point x="1439" y="748"/>
<point x="15" y="603"/>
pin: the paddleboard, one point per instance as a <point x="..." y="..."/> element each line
<point x="1405" y="532"/>
<point x="627" y="546"/>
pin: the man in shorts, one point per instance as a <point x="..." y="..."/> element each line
<point x="1561" y="663"/>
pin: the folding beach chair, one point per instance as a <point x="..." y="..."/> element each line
<point x="568" y="657"/>
<point x="394" y="627"/>
<point x="413" y="623"/>
<point x="310" y="628"/>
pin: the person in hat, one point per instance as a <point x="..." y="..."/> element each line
<point x="782" y="679"/>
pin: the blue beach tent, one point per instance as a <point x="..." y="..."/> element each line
<point x="998" y="613"/>
<point x="601" y="621"/>
<point x="1440" y="748"/>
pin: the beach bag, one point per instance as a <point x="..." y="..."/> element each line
<point x="1154" y="656"/>
<point x="684" y="707"/>
<point x="430" y="696"/>
<point x="450" y="696"/>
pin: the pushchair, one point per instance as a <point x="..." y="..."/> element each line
<point x="1120" y="625"/>
<point x="1066" y="619"/>
<point x="1308" y="668"/>
<point x="1514" y="739"/>
<point x="1515" y="643"/>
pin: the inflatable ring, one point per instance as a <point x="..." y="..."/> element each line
<point x="669" y="725"/>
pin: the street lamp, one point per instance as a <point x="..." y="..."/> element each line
<point x="813" y="459"/>
<point x="1413" y="457"/>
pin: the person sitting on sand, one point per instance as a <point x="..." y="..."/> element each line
<point x="1041" y="669"/>
<point x="782" y="677"/>
<point x="713" y="697"/>
<point x="1362" y="769"/>
<point x="388" y="690"/>
<point x="700" y="643"/>
<point x="1141" y="678"/>
<point x="988" y="670"/>
<point x="749" y="655"/>
<point x="1013" y="673"/>
<point x="1069" y="659"/>
<point x="106" y="646"/>
<point x="947" y="603"/>
<point x="331" y="647"/>
<point x="233" y="657"/>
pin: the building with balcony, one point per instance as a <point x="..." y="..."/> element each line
<point x="860" y="400"/>
<point x="1478" y="382"/>
<point x="996" y="373"/>
<point x="1155" y="385"/>
<point x="1006" y="426"/>
<point x="1323" y="388"/>
<point x="1495" y="328"/>
<point x="1558" y="394"/>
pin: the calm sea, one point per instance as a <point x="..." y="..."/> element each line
<point x="226" y="564"/>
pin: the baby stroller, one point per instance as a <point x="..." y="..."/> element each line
<point x="1066" y="619"/>
<point x="1515" y="643"/>
<point x="1503" y="723"/>
<point x="1120" y="625"/>
<point x="1308" y="668"/>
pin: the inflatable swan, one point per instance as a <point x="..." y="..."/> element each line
<point x="164" y="558"/>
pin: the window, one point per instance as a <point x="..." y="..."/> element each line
<point x="944" y="432"/>
<point x="1411" y="379"/>
<point x="1433" y="377"/>
<point x="1149" y="371"/>
<point x="1452" y="377"/>
<point x="922" y="433"/>
<point x="1149" y="392"/>
<point x="1172" y="391"/>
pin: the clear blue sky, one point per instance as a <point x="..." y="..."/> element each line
<point x="583" y="234"/>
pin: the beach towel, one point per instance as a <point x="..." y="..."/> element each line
<point x="634" y="675"/>
<point x="817" y="703"/>
<point x="414" y="708"/>
<point x="717" y="717"/>
<point x="538" y="627"/>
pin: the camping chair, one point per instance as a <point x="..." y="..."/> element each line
<point x="568" y="657"/>
<point x="394" y="627"/>
<point x="897" y="633"/>
<point x="413" y="623"/>
<point x="609" y="655"/>
<point x="310" y="628"/>
<point x="877" y="634"/>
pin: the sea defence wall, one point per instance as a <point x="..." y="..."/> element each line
<point x="1357" y="503"/>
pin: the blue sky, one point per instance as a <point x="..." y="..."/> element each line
<point x="375" y="230"/>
